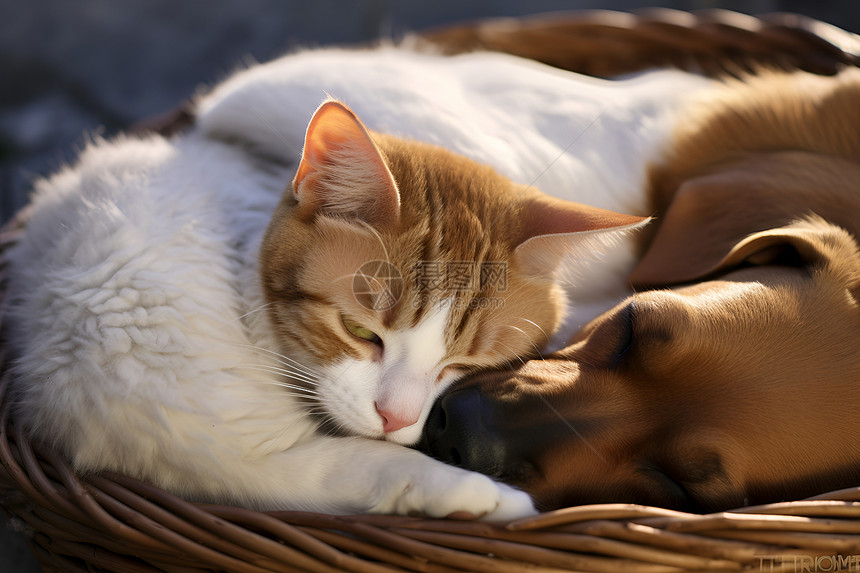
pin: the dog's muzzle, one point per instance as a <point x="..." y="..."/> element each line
<point x="461" y="431"/>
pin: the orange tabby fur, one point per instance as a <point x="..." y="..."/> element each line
<point x="308" y="265"/>
<point x="360" y="197"/>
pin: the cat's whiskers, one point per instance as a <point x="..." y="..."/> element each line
<point x="293" y="369"/>
<point x="286" y="361"/>
<point x="249" y="313"/>
<point x="291" y="387"/>
<point x="282" y="372"/>
<point x="513" y="354"/>
<point x="299" y="397"/>
<point x="536" y="325"/>
<point x="524" y="333"/>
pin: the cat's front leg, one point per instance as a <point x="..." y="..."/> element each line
<point x="368" y="476"/>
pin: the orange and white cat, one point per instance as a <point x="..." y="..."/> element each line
<point x="181" y="318"/>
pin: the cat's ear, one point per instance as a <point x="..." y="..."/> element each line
<point x="343" y="171"/>
<point x="560" y="235"/>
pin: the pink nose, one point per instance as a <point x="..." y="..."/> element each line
<point x="393" y="421"/>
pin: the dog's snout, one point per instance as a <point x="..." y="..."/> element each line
<point x="460" y="431"/>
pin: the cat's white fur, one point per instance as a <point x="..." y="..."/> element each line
<point x="134" y="298"/>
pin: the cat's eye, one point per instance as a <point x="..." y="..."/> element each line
<point x="361" y="332"/>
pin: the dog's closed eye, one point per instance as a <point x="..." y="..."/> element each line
<point x="676" y="494"/>
<point x="633" y="334"/>
<point x="625" y="335"/>
<point x="694" y="476"/>
<point x="609" y="343"/>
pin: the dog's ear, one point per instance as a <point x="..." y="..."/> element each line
<point x="809" y="242"/>
<point x="713" y="218"/>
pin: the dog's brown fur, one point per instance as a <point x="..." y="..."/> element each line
<point x="741" y="384"/>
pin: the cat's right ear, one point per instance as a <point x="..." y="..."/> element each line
<point x="563" y="236"/>
<point x="342" y="171"/>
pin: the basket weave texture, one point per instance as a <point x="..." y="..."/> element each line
<point x="109" y="522"/>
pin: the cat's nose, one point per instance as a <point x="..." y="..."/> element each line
<point x="392" y="420"/>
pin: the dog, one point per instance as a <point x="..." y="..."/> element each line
<point x="731" y="376"/>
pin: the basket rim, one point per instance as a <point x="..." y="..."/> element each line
<point x="116" y="522"/>
<point x="171" y="532"/>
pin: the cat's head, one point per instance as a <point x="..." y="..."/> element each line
<point x="391" y="267"/>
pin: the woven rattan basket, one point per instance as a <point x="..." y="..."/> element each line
<point x="108" y="522"/>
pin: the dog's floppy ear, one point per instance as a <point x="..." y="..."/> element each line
<point x="810" y="241"/>
<point x="712" y="218"/>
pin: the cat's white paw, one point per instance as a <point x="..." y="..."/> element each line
<point x="513" y="504"/>
<point x="444" y="491"/>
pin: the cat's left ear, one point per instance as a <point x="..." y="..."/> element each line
<point x="343" y="171"/>
<point x="556" y="234"/>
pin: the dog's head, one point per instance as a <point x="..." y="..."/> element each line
<point x="736" y="390"/>
<point x="736" y="381"/>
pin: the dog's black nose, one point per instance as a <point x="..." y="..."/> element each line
<point x="460" y="431"/>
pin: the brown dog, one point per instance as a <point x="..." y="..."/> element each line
<point x="741" y="384"/>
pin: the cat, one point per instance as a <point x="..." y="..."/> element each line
<point x="177" y="316"/>
<point x="474" y="259"/>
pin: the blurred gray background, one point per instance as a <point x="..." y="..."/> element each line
<point x="75" y="67"/>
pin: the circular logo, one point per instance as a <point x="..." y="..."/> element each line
<point x="377" y="285"/>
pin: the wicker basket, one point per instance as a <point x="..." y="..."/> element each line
<point x="109" y="522"/>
